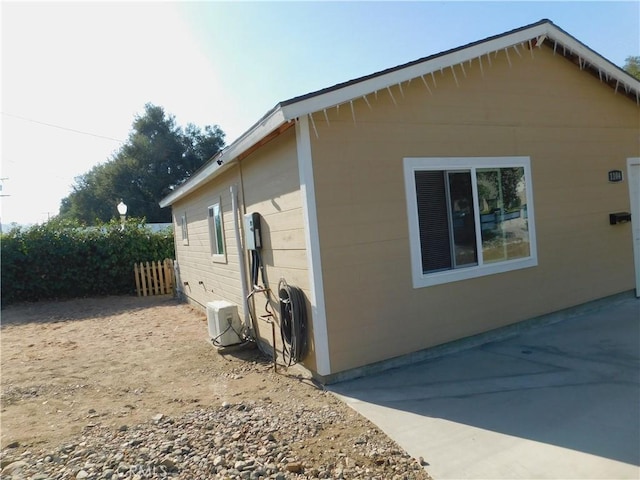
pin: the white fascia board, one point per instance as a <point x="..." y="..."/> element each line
<point x="365" y="87"/>
<point x="252" y="136"/>
<point x="566" y="40"/>
<point x="380" y="82"/>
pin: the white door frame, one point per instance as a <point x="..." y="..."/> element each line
<point x="633" y="176"/>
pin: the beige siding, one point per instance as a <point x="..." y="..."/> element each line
<point x="268" y="183"/>
<point x="272" y="188"/>
<point x="573" y="128"/>
<point x="220" y="280"/>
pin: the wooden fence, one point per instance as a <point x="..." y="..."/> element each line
<point x="154" y="278"/>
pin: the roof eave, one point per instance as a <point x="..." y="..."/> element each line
<point x="317" y="101"/>
<point x="267" y="124"/>
<point x="340" y="94"/>
<point x="413" y="70"/>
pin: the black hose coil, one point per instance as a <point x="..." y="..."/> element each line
<point x="293" y="322"/>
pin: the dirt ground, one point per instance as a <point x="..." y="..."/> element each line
<point x="71" y="365"/>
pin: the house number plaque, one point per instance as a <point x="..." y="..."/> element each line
<point x="615" y="176"/>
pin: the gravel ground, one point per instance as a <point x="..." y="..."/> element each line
<point x="253" y="440"/>
<point x="162" y="403"/>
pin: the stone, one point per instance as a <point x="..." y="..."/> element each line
<point x="107" y="473"/>
<point x="294" y="467"/>
<point x="4" y="461"/>
<point x="14" y="467"/>
<point x="157" y="418"/>
<point x="82" y="474"/>
<point x="168" y="463"/>
<point x="13" y="445"/>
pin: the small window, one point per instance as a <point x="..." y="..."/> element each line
<point x="468" y="217"/>
<point x="216" y="233"/>
<point x="183" y="228"/>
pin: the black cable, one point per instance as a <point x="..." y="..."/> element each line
<point x="254" y="269"/>
<point x="243" y="340"/>
<point x="293" y="322"/>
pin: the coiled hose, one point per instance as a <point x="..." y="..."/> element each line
<point x="293" y="322"/>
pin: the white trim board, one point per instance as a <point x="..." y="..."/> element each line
<point x="312" y="242"/>
<point x="633" y="179"/>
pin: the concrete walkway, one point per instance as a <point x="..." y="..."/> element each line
<point x="558" y="401"/>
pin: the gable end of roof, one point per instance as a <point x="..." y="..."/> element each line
<point x="543" y="33"/>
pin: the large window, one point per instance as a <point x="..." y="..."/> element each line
<point x="216" y="233"/>
<point x="468" y="217"/>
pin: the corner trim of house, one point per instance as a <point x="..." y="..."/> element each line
<point x="312" y="242"/>
<point x="467" y="343"/>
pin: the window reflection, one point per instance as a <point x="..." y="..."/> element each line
<point x="503" y="214"/>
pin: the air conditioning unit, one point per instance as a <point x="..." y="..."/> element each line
<point x="225" y="327"/>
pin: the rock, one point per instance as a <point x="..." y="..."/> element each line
<point x="14" y="467"/>
<point x="4" y="461"/>
<point x="169" y="464"/>
<point x="107" y="473"/>
<point x="82" y="474"/>
<point x="294" y="467"/>
<point x="13" y="445"/>
<point x="123" y="428"/>
<point x="157" y="418"/>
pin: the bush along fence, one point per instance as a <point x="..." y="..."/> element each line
<point x="61" y="259"/>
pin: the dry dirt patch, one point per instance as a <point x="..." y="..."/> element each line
<point x="118" y="361"/>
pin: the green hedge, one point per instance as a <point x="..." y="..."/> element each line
<point x="60" y="259"/>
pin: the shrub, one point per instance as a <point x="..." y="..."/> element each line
<point x="60" y="259"/>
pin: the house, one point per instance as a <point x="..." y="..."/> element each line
<point x="426" y="203"/>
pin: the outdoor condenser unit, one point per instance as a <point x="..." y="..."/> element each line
<point x="225" y="327"/>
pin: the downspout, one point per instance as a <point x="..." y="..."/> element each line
<point x="239" y="246"/>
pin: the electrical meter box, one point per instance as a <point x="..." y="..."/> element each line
<point x="252" y="238"/>
<point x="224" y="323"/>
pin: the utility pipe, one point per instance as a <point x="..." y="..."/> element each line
<point x="243" y="272"/>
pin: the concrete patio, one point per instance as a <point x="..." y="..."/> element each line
<point x="556" y="401"/>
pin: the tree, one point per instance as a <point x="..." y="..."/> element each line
<point x="157" y="156"/>
<point x="632" y="66"/>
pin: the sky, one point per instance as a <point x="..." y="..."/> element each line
<point x="74" y="75"/>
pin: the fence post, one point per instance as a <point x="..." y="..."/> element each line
<point x="136" y="273"/>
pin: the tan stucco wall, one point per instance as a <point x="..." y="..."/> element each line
<point x="574" y="128"/>
<point x="268" y="183"/>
